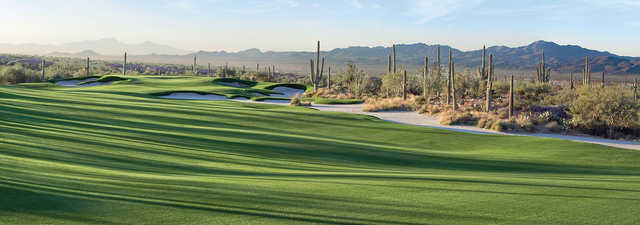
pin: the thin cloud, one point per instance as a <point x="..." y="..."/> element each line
<point x="356" y="3"/>
<point x="427" y="10"/>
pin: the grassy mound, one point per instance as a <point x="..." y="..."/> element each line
<point x="294" y="86"/>
<point x="104" y="79"/>
<point x="113" y="155"/>
<point x="246" y="83"/>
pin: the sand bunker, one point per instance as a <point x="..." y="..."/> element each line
<point x="240" y="98"/>
<point x="74" y="83"/>
<point x="193" y="96"/>
<point x="287" y="92"/>
<point x="233" y="84"/>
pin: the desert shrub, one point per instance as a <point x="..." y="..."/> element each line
<point x="255" y="76"/>
<point x="225" y="71"/>
<point x="58" y="73"/>
<point x="19" y="74"/>
<point x="295" y="101"/>
<point x="603" y="110"/>
<point x="469" y="85"/>
<point x="391" y="85"/>
<point x="532" y="93"/>
<point x="524" y="122"/>
<point x="388" y="104"/>
<point x="562" y="97"/>
<point x="432" y="109"/>
<point x="554" y="126"/>
<point x="357" y="82"/>
<point x="457" y="118"/>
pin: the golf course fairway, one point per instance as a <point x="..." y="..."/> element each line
<point x="119" y="154"/>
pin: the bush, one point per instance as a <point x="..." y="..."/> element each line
<point x="392" y="84"/>
<point x="389" y="104"/>
<point x="357" y="83"/>
<point x="457" y="118"/>
<point x="18" y="74"/>
<point x="553" y="126"/>
<point x="603" y="110"/>
<point x="295" y="101"/>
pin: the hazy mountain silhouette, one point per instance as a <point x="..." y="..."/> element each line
<point x="561" y="58"/>
<point x="107" y="46"/>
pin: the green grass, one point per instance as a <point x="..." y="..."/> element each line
<point x="115" y="154"/>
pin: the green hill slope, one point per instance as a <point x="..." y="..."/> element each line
<point x="115" y="154"/>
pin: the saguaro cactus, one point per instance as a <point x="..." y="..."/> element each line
<point x="424" y="78"/>
<point x="449" y="81"/>
<point x="483" y="72"/>
<point x="635" y="90"/>
<point x="244" y="69"/>
<point x="438" y="62"/>
<point x="389" y="67"/>
<point x="317" y="69"/>
<point x="395" y="66"/>
<point x="586" y="74"/>
<point x="489" y="84"/>
<point x="404" y="85"/>
<point x="511" y="99"/>
<point x="43" y="70"/>
<point x="571" y="86"/>
<point x="543" y="68"/>
<point x="603" y="83"/>
<point x="88" y="67"/>
<point x="195" y="66"/>
<point x="543" y="73"/>
<point x="124" y="65"/>
<point x="453" y="80"/>
<point x="329" y="78"/>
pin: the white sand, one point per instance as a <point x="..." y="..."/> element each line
<point x="430" y="121"/>
<point x="241" y="98"/>
<point x="74" y="83"/>
<point x="233" y="84"/>
<point x="286" y="92"/>
<point x="193" y="96"/>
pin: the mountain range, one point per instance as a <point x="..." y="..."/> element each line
<point x="561" y="58"/>
<point x="106" y="46"/>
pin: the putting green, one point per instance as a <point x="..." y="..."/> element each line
<point x="116" y="154"/>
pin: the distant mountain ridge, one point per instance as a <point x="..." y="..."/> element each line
<point x="106" y="46"/>
<point x="561" y="58"/>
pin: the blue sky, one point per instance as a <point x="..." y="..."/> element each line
<point x="612" y="25"/>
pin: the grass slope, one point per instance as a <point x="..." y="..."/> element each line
<point x="115" y="155"/>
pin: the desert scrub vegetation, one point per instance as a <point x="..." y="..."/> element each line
<point x="18" y="74"/>
<point x="611" y="111"/>
<point x="297" y="101"/>
<point x="390" y="104"/>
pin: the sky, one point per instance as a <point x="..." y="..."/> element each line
<point x="233" y="25"/>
